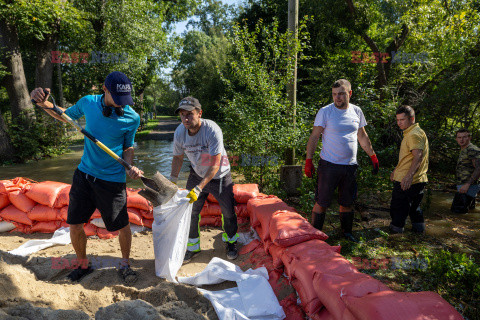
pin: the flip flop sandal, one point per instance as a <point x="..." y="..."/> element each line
<point x="128" y="275"/>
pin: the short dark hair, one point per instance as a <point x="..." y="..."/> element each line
<point x="342" y="83"/>
<point x="462" y="130"/>
<point x="408" y="110"/>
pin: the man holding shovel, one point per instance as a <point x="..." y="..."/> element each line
<point x="99" y="180"/>
<point x="202" y="141"/>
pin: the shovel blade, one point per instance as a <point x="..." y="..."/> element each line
<point x="158" y="190"/>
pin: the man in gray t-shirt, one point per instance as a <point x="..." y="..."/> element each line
<point x="201" y="140"/>
<point x="341" y="125"/>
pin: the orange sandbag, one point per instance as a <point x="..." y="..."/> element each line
<point x="63" y="197"/>
<point x="254" y="202"/>
<point x="243" y="221"/>
<point x="307" y="251"/>
<point x="44" y="213"/>
<point x="147" y="223"/>
<point x="105" y="234"/>
<point x="289" y="228"/>
<point x="45" y="226"/>
<point x="252" y="245"/>
<point x="214" y="221"/>
<point x="11" y="213"/>
<point x="20" y="227"/>
<point x="21" y="201"/>
<point x="212" y="209"/>
<point x="4" y="201"/>
<point x="291" y="309"/>
<point x="263" y="209"/>
<point x="146" y="214"/>
<point x="245" y="192"/>
<point x="90" y="229"/>
<point x="134" y="200"/>
<point x="63" y="213"/>
<point x="134" y="216"/>
<point x="330" y="288"/>
<point x="324" y="314"/>
<point x="392" y="305"/>
<point x="276" y="252"/>
<point x="96" y="214"/>
<point x="330" y="263"/>
<point x="45" y="192"/>
<point x="308" y="297"/>
<point x="241" y="210"/>
<point x="211" y="198"/>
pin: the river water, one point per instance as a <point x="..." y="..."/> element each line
<point x="150" y="156"/>
<point x="156" y="155"/>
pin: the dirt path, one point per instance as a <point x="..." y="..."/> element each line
<point x="164" y="130"/>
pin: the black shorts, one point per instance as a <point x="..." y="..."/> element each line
<point x="88" y="193"/>
<point x="329" y="177"/>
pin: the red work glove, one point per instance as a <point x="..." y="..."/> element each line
<point x="309" y="168"/>
<point x="375" y="164"/>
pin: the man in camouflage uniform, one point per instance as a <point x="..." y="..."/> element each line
<point x="468" y="172"/>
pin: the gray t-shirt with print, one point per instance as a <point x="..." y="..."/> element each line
<point x="208" y="141"/>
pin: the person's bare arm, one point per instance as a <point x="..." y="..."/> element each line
<point x="38" y="95"/>
<point x="313" y="141"/>
<point x="365" y="142"/>
<point x="417" y="159"/>
<point x="177" y="162"/>
<point x="134" y="172"/>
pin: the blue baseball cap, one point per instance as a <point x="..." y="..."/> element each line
<point x="120" y="88"/>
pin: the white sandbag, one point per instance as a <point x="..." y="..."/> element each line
<point x="171" y="225"/>
<point x="60" y="237"/>
<point x="6" y="226"/>
<point x="98" y="222"/>
<point x="252" y="299"/>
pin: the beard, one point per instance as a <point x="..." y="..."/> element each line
<point x="341" y="105"/>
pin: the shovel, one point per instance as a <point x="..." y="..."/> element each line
<point x="157" y="190"/>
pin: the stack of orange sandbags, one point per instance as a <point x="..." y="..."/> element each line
<point x="211" y="214"/>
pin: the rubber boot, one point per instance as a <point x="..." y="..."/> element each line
<point x="346" y="223"/>
<point x="317" y="220"/>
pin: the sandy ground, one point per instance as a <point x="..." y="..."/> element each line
<point x="34" y="280"/>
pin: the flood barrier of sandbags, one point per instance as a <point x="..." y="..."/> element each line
<point x="328" y="285"/>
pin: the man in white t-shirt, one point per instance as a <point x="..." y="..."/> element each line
<point x="202" y="141"/>
<point x="341" y="125"/>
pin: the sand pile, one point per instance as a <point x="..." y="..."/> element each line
<point x="32" y="289"/>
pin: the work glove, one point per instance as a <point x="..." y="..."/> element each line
<point x="309" y="168"/>
<point x="194" y="193"/>
<point x="375" y="164"/>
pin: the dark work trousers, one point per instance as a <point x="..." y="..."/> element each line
<point x="406" y="203"/>
<point x="222" y="190"/>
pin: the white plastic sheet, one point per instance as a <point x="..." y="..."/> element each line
<point x="171" y="225"/>
<point x="252" y="299"/>
<point x="60" y="237"/>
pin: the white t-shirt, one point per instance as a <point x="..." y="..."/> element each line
<point x="208" y="141"/>
<point x="339" y="137"/>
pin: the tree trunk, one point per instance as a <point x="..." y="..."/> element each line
<point x="6" y="149"/>
<point x="15" y="82"/>
<point x="44" y="65"/>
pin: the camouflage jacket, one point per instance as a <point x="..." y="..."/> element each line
<point x="465" y="162"/>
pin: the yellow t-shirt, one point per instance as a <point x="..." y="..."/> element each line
<point x="413" y="138"/>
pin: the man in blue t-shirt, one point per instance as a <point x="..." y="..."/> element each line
<point x="99" y="182"/>
<point x="341" y="125"/>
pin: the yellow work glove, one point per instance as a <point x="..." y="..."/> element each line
<point x="194" y="193"/>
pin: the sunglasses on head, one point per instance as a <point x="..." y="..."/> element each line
<point x="107" y="111"/>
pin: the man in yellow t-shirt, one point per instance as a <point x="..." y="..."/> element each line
<point x="410" y="175"/>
